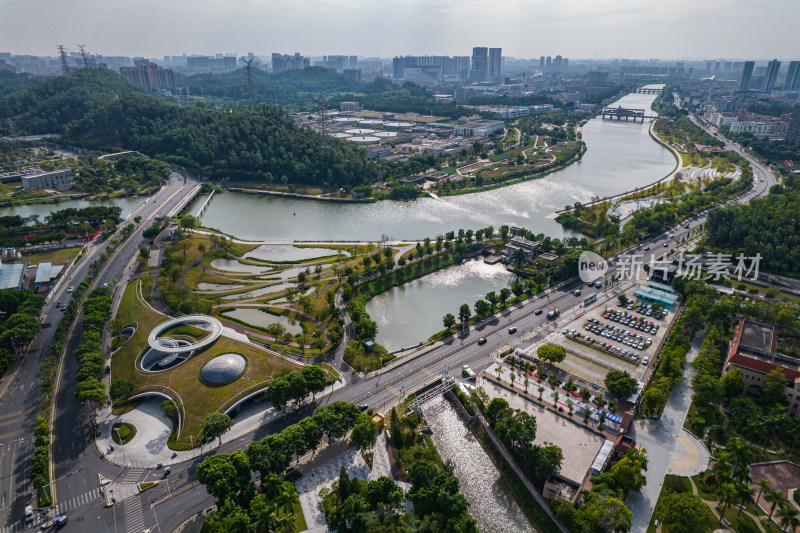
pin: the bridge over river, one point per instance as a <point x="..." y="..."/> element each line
<point x="620" y="112"/>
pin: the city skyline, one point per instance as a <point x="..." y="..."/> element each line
<point x="610" y="29"/>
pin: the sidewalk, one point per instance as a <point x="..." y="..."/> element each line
<point x="149" y="447"/>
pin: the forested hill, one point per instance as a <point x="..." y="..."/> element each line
<point x="284" y="88"/>
<point x="50" y="105"/>
<point x="769" y="226"/>
<point x="11" y="82"/>
<point x="99" y="109"/>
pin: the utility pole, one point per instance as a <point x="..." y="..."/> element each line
<point x="65" y="70"/>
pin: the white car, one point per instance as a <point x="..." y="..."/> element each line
<point x="71" y="289"/>
<point x="645" y="361"/>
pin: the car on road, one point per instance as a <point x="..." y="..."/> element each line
<point x="666" y="245"/>
<point x="71" y="289"/>
<point x="538" y="312"/>
<point x="481" y="341"/>
<point x="512" y="330"/>
<point x="363" y="407"/>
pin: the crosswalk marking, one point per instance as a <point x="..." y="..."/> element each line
<point x="134" y="518"/>
<point x="78" y="501"/>
<point x="132" y="476"/>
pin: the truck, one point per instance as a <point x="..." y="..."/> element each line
<point x="467" y="372"/>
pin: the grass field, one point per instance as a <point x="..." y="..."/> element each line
<point x="63" y="256"/>
<point x="197" y="397"/>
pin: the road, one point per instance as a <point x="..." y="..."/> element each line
<point x="74" y="453"/>
<point x="19" y="389"/>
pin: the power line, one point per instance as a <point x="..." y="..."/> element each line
<point x="84" y="58"/>
<point x="249" y="68"/>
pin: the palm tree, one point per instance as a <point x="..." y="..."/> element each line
<point x="513" y="375"/>
<point x="541" y="391"/>
<point x="555" y="399"/>
<point x="526" y="383"/>
<point x="739" y="450"/>
<point x="498" y="370"/>
<point x="744" y="494"/>
<point x="727" y="495"/>
<point x="762" y="483"/>
<point x="721" y="468"/>
<point x="776" y="498"/>
<point x="788" y="518"/>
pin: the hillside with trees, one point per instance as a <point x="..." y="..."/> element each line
<point x="100" y="110"/>
<point x="768" y="226"/>
<point x="11" y="82"/>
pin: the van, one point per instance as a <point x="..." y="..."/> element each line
<point x="598" y="285"/>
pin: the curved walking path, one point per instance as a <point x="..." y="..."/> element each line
<point x="713" y="506"/>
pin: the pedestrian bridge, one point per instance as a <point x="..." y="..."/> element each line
<point x="627" y="113"/>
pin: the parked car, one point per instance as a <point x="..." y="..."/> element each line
<point x="481" y="341"/>
<point x="645" y="361"/>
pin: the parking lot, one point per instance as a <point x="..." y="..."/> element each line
<point x="612" y="336"/>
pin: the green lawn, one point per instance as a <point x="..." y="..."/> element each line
<point x="63" y="256"/>
<point x="198" y="398"/>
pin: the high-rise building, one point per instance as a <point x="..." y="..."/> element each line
<point x="792" y="77"/>
<point x="793" y="131"/>
<point x="547" y="63"/>
<point x="495" y="63"/>
<point x="284" y="62"/>
<point x="433" y="67"/>
<point x="771" y="76"/>
<point x="480" y="64"/>
<point x="149" y="75"/>
<point x="558" y="64"/>
<point x="541" y="63"/>
<point x="747" y="73"/>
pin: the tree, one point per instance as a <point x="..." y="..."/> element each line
<point x="224" y="474"/>
<point x="629" y="471"/>
<point x="464" y="312"/>
<point x="726" y="495"/>
<point x="545" y="460"/>
<point x="744" y="494"/>
<point x="684" y="512"/>
<point x="364" y="434"/>
<point x="505" y="292"/>
<point x="144" y="251"/>
<point x="773" y="391"/>
<point x="449" y="321"/>
<point x="731" y="384"/>
<point x="776" y="498"/>
<point x="623" y="300"/>
<point x="787" y="518"/>
<point x="620" y="383"/>
<point x="519" y="258"/>
<point x="517" y="429"/>
<point x="315" y="380"/>
<point x="496" y="409"/>
<point x="492" y="298"/>
<point x="215" y="425"/>
<point x="122" y="389"/>
<point x="707" y="390"/>
<point x="482" y="308"/>
<point x="551" y="353"/>
<point x="739" y="451"/>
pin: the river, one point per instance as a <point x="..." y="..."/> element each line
<point x="620" y="156"/>
<point x="411" y="313"/>
<point x="127" y="204"/>
<point x="490" y="502"/>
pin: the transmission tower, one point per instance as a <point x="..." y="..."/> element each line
<point x="84" y="58"/>
<point x="249" y="68"/>
<point x="64" y="66"/>
<point x="321" y="106"/>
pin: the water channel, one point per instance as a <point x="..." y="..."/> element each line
<point x="127" y="204"/>
<point x="411" y="313"/>
<point x="491" y="503"/>
<point x="620" y="156"/>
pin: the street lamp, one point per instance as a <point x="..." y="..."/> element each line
<point x="153" y="507"/>
<point x="104" y="523"/>
<point x="121" y="445"/>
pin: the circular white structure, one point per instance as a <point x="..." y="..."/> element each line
<point x="346" y="120"/>
<point x="360" y="131"/>
<point x="398" y="125"/>
<point x="364" y="139"/>
<point x="386" y="134"/>
<point x="370" y="123"/>
<point x="341" y="135"/>
<point x="224" y="368"/>
<point x="167" y="345"/>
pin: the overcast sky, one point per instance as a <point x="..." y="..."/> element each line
<point x="757" y="29"/>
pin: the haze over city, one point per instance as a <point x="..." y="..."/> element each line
<point x="574" y="28"/>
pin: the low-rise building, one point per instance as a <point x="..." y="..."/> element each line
<point x="759" y="129"/>
<point x="478" y="128"/>
<point x="61" y="180"/>
<point x="530" y="248"/>
<point x="754" y="351"/>
<point x="11" y="275"/>
<point x="375" y="151"/>
<point x="46" y="275"/>
<point x="352" y="107"/>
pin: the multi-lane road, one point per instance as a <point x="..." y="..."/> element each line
<point x="77" y="465"/>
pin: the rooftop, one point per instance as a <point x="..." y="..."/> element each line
<point x="758" y="336"/>
<point x="11" y="275"/>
